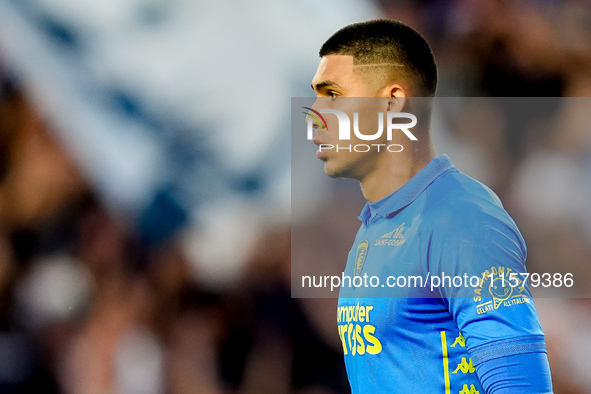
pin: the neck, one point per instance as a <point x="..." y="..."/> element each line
<point x="393" y="170"/>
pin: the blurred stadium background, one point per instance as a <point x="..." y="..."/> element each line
<point x="145" y="183"/>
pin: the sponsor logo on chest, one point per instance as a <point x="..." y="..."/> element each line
<point x="392" y="238"/>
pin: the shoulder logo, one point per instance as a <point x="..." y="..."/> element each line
<point x="392" y="238"/>
<point x="360" y="256"/>
<point x="499" y="286"/>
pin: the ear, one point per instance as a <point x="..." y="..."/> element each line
<point x="397" y="97"/>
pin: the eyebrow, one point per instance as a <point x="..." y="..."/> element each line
<point x="324" y="84"/>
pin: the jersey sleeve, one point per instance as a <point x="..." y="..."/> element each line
<point x="513" y="374"/>
<point x="491" y="305"/>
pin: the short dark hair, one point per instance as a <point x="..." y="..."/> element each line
<point x="385" y="41"/>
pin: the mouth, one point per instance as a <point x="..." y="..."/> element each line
<point x="320" y="153"/>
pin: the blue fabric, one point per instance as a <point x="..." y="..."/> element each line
<point x="424" y="338"/>
<point x="507" y="347"/>
<point x="516" y="374"/>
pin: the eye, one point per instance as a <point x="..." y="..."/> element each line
<point x="333" y="95"/>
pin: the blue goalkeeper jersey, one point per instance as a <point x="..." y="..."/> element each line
<point x="433" y="288"/>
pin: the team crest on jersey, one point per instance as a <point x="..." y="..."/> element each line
<point x="360" y="256"/>
<point x="497" y="287"/>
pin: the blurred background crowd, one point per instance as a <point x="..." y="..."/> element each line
<point x="145" y="229"/>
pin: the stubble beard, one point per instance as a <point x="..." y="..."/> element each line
<point x="347" y="170"/>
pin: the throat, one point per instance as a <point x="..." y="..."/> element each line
<point x="391" y="175"/>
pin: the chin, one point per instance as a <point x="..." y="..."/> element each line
<point x="336" y="171"/>
<point x="331" y="170"/>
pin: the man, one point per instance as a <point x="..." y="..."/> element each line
<point x="423" y="220"/>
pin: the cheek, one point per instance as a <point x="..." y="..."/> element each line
<point x="371" y="121"/>
<point x="371" y="124"/>
<point x="332" y="123"/>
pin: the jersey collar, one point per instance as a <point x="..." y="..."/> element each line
<point x="408" y="192"/>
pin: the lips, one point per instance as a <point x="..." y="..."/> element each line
<point x="320" y="154"/>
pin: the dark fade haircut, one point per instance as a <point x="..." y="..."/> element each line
<point x="382" y="42"/>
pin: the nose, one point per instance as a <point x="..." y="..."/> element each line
<point x="311" y="119"/>
<point x="314" y="116"/>
<point x="312" y="125"/>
